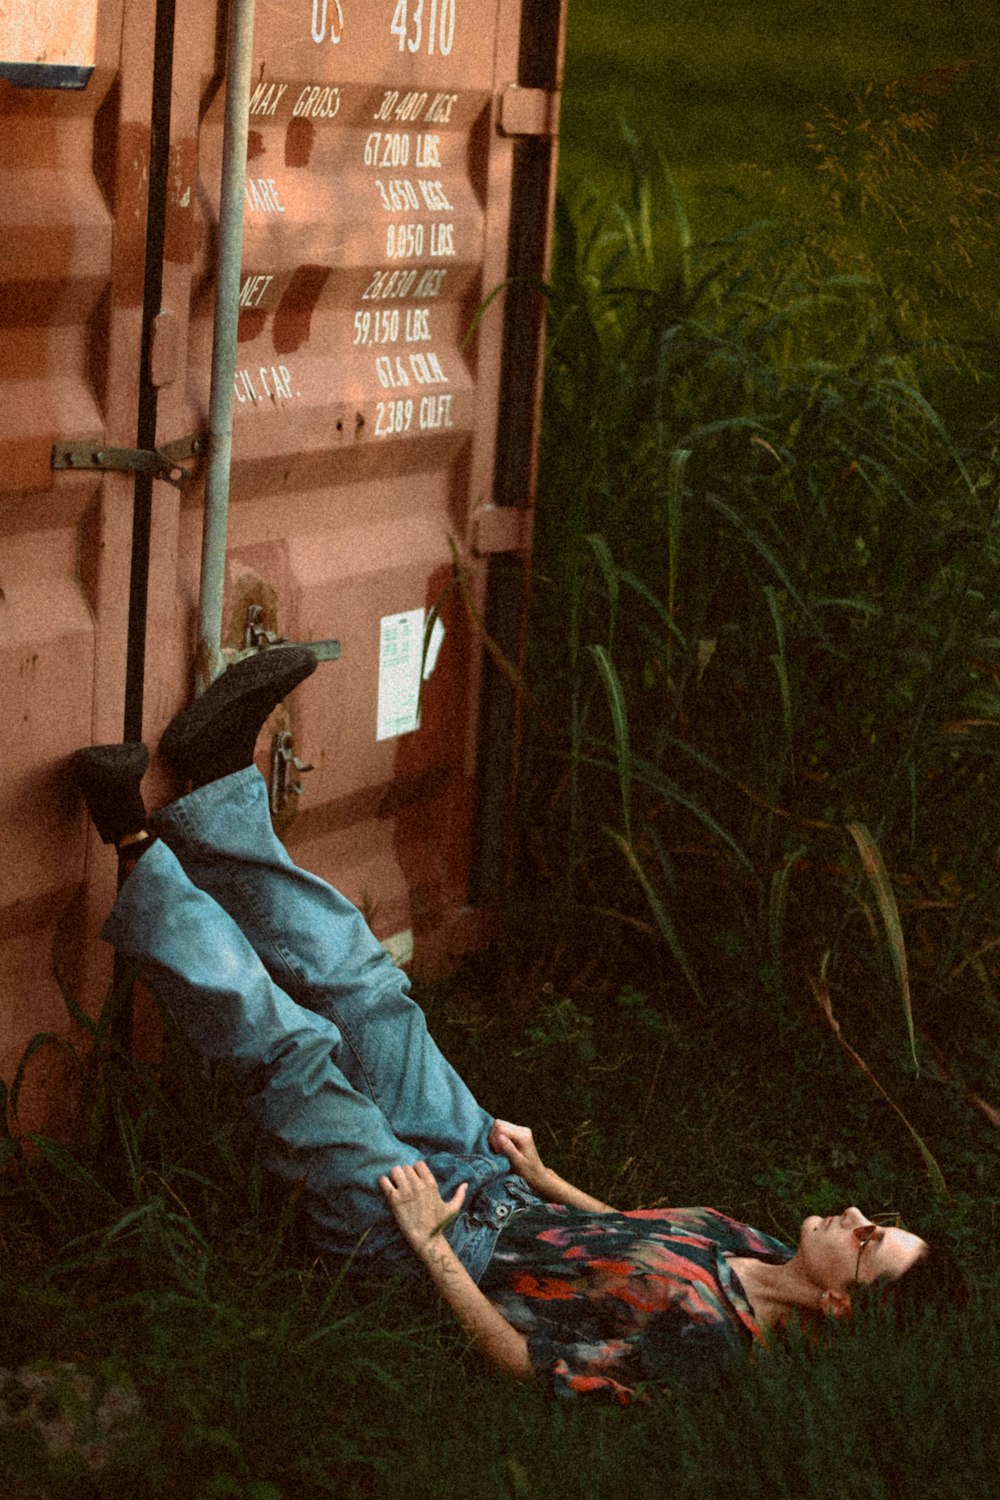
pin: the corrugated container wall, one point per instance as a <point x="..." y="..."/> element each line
<point x="399" y="169"/>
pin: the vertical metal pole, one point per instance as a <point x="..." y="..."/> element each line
<point x="227" y="299"/>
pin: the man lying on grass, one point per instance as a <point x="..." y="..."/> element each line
<point x="277" y="976"/>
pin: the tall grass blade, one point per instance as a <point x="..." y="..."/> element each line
<point x="619" y="720"/>
<point x="78" y="1014"/>
<point x="37" y="1042"/>
<point x="777" y="906"/>
<point x="753" y="536"/>
<point x="69" y="1167"/>
<point x="680" y="215"/>
<point x="648" y="774"/>
<point x="675" y="510"/>
<point x="911" y="772"/>
<point x="780" y="660"/>
<point x="642" y="201"/>
<point x="926" y="410"/>
<point x="128" y="1135"/>
<point x="821" y="990"/>
<point x="515" y="281"/>
<point x="114" y="1008"/>
<point x="724" y="426"/>
<point x="656" y="906"/>
<point x="497" y="656"/>
<point x="875" y="869"/>
<point x="606" y="562"/>
<point x="656" y="605"/>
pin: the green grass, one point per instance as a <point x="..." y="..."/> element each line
<point x="765" y="628"/>
<point x="740" y="106"/>
<point x="720" y="89"/>
<point x="262" y="1374"/>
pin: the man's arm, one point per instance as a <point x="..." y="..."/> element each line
<point x="518" y="1145"/>
<point x="421" y="1214"/>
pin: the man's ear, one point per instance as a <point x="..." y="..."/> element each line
<point x="834" y="1304"/>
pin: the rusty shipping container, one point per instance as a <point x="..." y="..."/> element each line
<point x="394" y="163"/>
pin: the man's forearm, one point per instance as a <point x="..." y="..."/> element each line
<point x="555" y="1189"/>
<point x="488" y="1329"/>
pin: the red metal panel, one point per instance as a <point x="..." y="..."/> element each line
<point x="377" y="220"/>
<point x="73" y="185"/>
<point x="382" y="435"/>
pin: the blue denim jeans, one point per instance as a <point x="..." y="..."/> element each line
<point x="274" y="974"/>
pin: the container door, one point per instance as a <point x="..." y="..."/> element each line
<point x="400" y="171"/>
<point x="74" y="164"/>
<point x="369" y="401"/>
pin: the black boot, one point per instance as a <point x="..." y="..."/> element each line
<point x="109" y="777"/>
<point x="216" y="734"/>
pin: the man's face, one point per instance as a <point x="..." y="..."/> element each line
<point x="845" y="1248"/>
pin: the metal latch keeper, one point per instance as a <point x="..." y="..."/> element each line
<point x="163" y="462"/>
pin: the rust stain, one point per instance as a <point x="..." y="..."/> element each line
<point x="250" y="324"/>
<point x="293" y="317"/>
<point x="243" y="592"/>
<point x="180" y="235"/>
<point x="299" y="139"/>
<point x="130" y="214"/>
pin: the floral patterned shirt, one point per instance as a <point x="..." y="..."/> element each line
<point x="621" y="1303"/>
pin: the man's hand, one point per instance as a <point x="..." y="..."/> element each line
<point x="517" y="1143"/>
<point x="421" y="1214"/>
<point x="417" y="1206"/>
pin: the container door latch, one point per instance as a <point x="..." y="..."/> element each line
<point x="285" y="768"/>
<point x="163" y="462"/>
<point x="257" y="638"/>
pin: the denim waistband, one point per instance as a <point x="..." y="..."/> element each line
<point x="490" y="1208"/>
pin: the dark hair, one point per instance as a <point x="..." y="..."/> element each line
<point x="935" y="1279"/>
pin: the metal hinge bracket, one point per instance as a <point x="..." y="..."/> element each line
<point x="257" y="638"/>
<point x="529" y="111"/>
<point x="502" y="528"/>
<point x="162" y="463"/>
<point x="285" y="765"/>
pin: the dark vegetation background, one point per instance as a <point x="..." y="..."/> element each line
<point x="751" y="956"/>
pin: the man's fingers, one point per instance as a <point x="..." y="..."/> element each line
<point x="504" y="1133"/>
<point x="405" y="1178"/>
<point x="457" y="1198"/>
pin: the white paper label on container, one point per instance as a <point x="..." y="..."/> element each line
<point x="401" y="649"/>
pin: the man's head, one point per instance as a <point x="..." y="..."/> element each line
<point x="845" y="1250"/>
